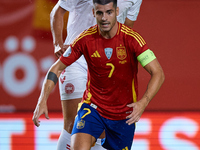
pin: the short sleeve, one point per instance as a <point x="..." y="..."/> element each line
<point x="68" y="5"/>
<point x="134" y="10"/>
<point x="71" y="55"/>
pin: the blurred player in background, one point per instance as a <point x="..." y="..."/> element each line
<point x="72" y="81"/>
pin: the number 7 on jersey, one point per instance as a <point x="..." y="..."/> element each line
<point x="112" y="69"/>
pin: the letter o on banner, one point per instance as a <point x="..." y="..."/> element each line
<point x="24" y="86"/>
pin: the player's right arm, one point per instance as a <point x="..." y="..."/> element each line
<point x="48" y="85"/>
<point x="56" y="22"/>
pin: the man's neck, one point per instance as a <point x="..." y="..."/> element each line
<point x="110" y="34"/>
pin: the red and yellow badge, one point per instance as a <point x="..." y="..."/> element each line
<point x="121" y="52"/>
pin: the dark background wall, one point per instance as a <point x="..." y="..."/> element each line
<point x="171" y="29"/>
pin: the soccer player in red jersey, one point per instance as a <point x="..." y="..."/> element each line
<point x="72" y="81"/>
<point x="112" y="51"/>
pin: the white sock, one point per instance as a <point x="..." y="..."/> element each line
<point x="97" y="145"/>
<point x="64" y="141"/>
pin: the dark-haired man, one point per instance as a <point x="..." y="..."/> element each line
<point x="110" y="101"/>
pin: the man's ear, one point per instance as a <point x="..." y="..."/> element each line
<point x="117" y="11"/>
<point x="93" y="12"/>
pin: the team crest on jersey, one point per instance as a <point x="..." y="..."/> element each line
<point x="108" y="52"/>
<point x="121" y="52"/>
<point x="80" y="124"/>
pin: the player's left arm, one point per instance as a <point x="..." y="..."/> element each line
<point x="155" y="82"/>
<point x="47" y="87"/>
<point x="132" y="14"/>
<point x="129" y="22"/>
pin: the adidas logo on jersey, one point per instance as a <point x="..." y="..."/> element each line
<point x="95" y="54"/>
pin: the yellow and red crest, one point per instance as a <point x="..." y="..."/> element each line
<point x="121" y="52"/>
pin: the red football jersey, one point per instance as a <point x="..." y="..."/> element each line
<point x="112" y="69"/>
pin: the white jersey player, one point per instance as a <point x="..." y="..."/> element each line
<point x="72" y="82"/>
<point x="81" y="18"/>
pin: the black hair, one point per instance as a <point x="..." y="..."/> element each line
<point x="103" y="2"/>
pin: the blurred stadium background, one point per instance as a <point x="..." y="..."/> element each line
<point x="170" y="122"/>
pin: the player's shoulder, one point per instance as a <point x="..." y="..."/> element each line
<point x="89" y="31"/>
<point x="86" y="35"/>
<point x="128" y="1"/>
<point x="131" y="34"/>
<point x="126" y="29"/>
<point x="136" y="1"/>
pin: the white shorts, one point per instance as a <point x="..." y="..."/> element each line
<point x="72" y="81"/>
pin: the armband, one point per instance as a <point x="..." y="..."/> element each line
<point x="146" y="57"/>
<point x="53" y="77"/>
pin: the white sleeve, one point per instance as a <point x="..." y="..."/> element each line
<point x="134" y="10"/>
<point x="68" y="5"/>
